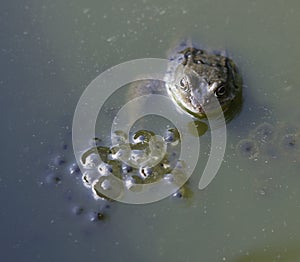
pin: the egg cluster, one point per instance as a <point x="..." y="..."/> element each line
<point x="132" y="162"/>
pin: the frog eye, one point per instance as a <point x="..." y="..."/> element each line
<point x="188" y="54"/>
<point x="220" y="91"/>
<point x="198" y="60"/>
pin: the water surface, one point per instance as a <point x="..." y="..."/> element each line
<point x="51" y="50"/>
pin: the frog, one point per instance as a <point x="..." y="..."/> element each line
<point x="199" y="83"/>
<point x="201" y="79"/>
<point x="205" y="75"/>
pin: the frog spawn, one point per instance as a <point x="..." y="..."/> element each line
<point x="61" y="176"/>
<point x="99" y="161"/>
<point x="128" y="166"/>
<point x="268" y="142"/>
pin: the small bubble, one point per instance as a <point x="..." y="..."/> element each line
<point x="86" y="10"/>
<point x="262" y="192"/>
<point x="111" y="39"/>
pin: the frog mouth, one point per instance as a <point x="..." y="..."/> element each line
<point x="200" y="111"/>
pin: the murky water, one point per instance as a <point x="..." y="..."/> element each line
<point x="51" y="50"/>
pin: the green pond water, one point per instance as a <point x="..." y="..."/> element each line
<point x="51" y="51"/>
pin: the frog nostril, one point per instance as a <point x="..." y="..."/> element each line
<point x="183" y="83"/>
